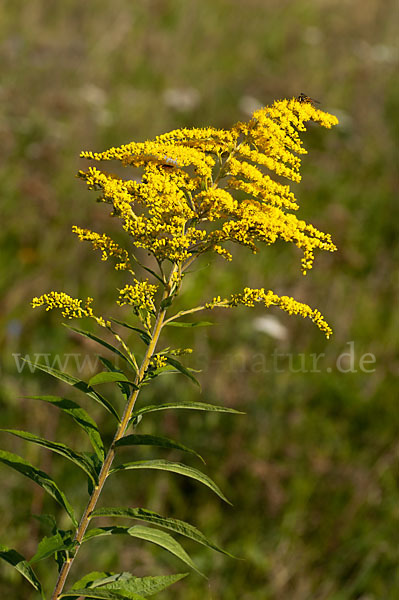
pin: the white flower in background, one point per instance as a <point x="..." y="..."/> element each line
<point x="93" y="94"/>
<point x="378" y="53"/>
<point x="181" y="99"/>
<point x="249" y="104"/>
<point x="96" y="98"/>
<point x="271" y="326"/>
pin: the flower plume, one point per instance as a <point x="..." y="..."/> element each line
<point x="205" y="189"/>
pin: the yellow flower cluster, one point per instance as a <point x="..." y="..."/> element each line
<point x="272" y="135"/>
<point x="180" y="351"/>
<point x="250" y="296"/>
<point x="189" y="178"/>
<point x="107" y="246"/>
<point x="157" y="362"/>
<point x="141" y="295"/>
<point x="71" y="307"/>
<point x="198" y="190"/>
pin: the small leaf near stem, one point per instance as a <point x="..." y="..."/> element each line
<point x="13" y="558"/>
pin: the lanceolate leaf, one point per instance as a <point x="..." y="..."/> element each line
<point x="150" y="535"/>
<point x="81" y="417"/>
<point x="124" y="387"/>
<point x="166" y="465"/>
<point x="117" y="583"/>
<point x="101" y="531"/>
<point x="78" y="384"/>
<point x="40" y="477"/>
<point x="188" y="406"/>
<point x="142" y="514"/>
<point x="48" y="521"/>
<point x="21" y="565"/>
<point x="150" y="585"/>
<point x="91" y="578"/>
<point x="152" y="373"/>
<point x="146" y="338"/>
<point x="101" y="593"/>
<point x="164" y="540"/>
<point x="177" y="365"/>
<point x="150" y="271"/>
<point x="49" y="545"/>
<point x="166" y="302"/>
<point x="107" y="345"/>
<point x="76" y="457"/>
<point x="147" y="586"/>
<point x="154" y="440"/>
<point x="110" y="377"/>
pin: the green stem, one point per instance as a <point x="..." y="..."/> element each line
<point x="181" y="313"/>
<point x="120" y="432"/>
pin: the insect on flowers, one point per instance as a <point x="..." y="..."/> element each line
<point x="303" y="98"/>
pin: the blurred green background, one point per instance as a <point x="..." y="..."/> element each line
<point x="310" y="467"/>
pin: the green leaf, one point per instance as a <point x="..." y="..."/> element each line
<point x="146" y="338"/>
<point x="166" y="302"/>
<point x="164" y="540"/>
<point x="142" y="514"/>
<point x="154" y="440"/>
<point x="76" y="457"/>
<point x="107" y="345"/>
<point x="40" y="477"/>
<point x="166" y="465"/>
<point x="186" y="405"/>
<point x="94" y="579"/>
<point x="149" y="534"/>
<point x="49" y="545"/>
<point x="91" y="580"/>
<point x="124" y="387"/>
<point x="101" y="531"/>
<point x="81" y="417"/>
<point x="147" y="586"/>
<point x="78" y="384"/>
<point x="16" y="560"/>
<point x="177" y="365"/>
<point x="110" y="377"/>
<point x="101" y="593"/>
<point x="150" y="271"/>
<point x="188" y="324"/>
<point x="48" y="521"/>
<point x="151" y="373"/>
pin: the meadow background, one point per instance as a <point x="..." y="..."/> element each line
<point x="310" y="468"/>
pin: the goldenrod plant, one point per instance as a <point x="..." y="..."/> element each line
<point x="190" y="192"/>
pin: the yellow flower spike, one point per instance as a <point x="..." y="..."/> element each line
<point x="201" y="188"/>
<point x="107" y="246"/>
<point x="70" y="307"/>
<point x="250" y="296"/>
<point x="190" y="176"/>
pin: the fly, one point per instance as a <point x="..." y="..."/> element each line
<point x="303" y="98"/>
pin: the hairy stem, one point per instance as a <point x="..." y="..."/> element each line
<point x="120" y="432"/>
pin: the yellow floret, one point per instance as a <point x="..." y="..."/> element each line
<point x="107" y="246"/>
<point x="141" y="295"/>
<point x="250" y="296"/>
<point x="70" y="307"/>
